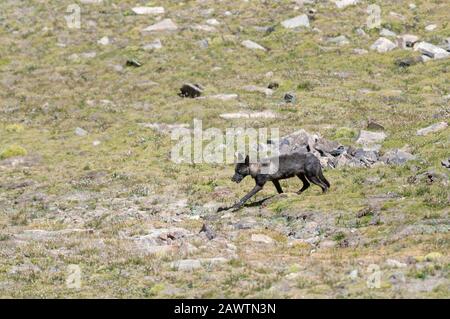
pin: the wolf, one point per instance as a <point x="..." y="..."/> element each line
<point x="303" y="165"/>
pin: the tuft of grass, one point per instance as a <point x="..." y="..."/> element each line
<point x="12" y="151"/>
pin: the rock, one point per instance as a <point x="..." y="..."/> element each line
<point x="203" y="27"/>
<point x="387" y="33"/>
<point x="406" y="41"/>
<point x="162" y="236"/>
<point x="186" y="264"/>
<point x="353" y="275"/>
<point x="360" y="51"/>
<point x="133" y="62"/>
<point x="148" y="10"/>
<point x="432" y="129"/>
<point x="80" y="132"/>
<point x="412" y="6"/>
<point x="260" y="238"/>
<point x="40" y="234"/>
<point x="434" y="256"/>
<point x="397" y="278"/>
<point x="252" y="45"/>
<point x="224" y="97"/>
<point x="289" y="97"/>
<point x="406" y="62"/>
<point x="212" y="22"/>
<point x="249" y="115"/>
<point x="210" y="234"/>
<point x="103" y="41"/>
<point x="327" y="244"/>
<point x="91" y="1"/>
<point x="165" y="128"/>
<point x="361" y="33"/>
<point x="368" y="138"/>
<point x="273" y="85"/>
<point x="446" y="163"/>
<point x="88" y="55"/>
<point x="299" y="21"/>
<point x="397" y="157"/>
<point x="372" y="125"/>
<point x="383" y="45"/>
<point x="164" y="25"/>
<point x="431" y="50"/>
<point x="204" y="44"/>
<point x="345" y="3"/>
<point x="395" y="263"/>
<point x="154" y="45"/>
<point x="339" y="40"/>
<point x="328" y="147"/>
<point x="190" y="90"/>
<point x="430" y="27"/>
<point x="254" y="88"/>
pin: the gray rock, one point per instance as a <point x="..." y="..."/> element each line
<point x="186" y="264"/>
<point x="80" y="132"/>
<point x="430" y="27"/>
<point x="148" y="10"/>
<point x="395" y="263"/>
<point x="104" y="41"/>
<point x="252" y="45"/>
<point x="299" y="21"/>
<point x="432" y="129"/>
<point x="289" y="97"/>
<point x="203" y="27"/>
<point x="339" y="40"/>
<point x="383" y="45"/>
<point x="212" y="22"/>
<point x="387" y="33"/>
<point x="260" y="89"/>
<point x="431" y="50"/>
<point x="191" y="90"/>
<point x="345" y="3"/>
<point x="134" y="63"/>
<point x="446" y="163"/>
<point x="224" y="97"/>
<point x="154" y="45"/>
<point x="397" y="157"/>
<point x="261" y="238"/>
<point x="204" y="44"/>
<point x="368" y="138"/>
<point x="360" y="51"/>
<point x="164" y="25"/>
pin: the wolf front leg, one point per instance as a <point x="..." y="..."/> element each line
<point x="239" y="204"/>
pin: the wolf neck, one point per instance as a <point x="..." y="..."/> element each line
<point x="255" y="169"/>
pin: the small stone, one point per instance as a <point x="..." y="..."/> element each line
<point x="446" y="163"/>
<point x="360" y="51"/>
<point x="249" y="115"/>
<point x="154" y="45"/>
<point x="430" y="27"/>
<point x="133" y="62"/>
<point x="204" y="44"/>
<point x="289" y="98"/>
<point x="299" y="21"/>
<point x="432" y="129"/>
<point x="224" y="97"/>
<point x="96" y="143"/>
<point x="387" y="33"/>
<point x="80" y="132"/>
<point x="412" y="6"/>
<point x="368" y="138"/>
<point x="252" y="45"/>
<point x="164" y="25"/>
<point x="212" y="22"/>
<point x="273" y="85"/>
<point x="148" y="10"/>
<point x="203" y="27"/>
<point x="103" y="41"/>
<point x="339" y="40"/>
<point x="345" y="3"/>
<point x="383" y="45"/>
<point x="186" y="264"/>
<point x="260" y="238"/>
<point x="190" y="90"/>
<point x="353" y="274"/>
<point x="254" y="88"/>
<point x="395" y="263"/>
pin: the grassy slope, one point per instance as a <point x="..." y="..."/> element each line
<point x="52" y="95"/>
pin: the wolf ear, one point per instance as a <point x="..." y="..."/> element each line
<point x="239" y="157"/>
<point x="247" y="160"/>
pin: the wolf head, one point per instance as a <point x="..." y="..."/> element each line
<point x="241" y="169"/>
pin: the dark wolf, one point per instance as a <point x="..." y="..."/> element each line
<point x="303" y="165"/>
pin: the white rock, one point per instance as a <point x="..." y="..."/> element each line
<point x="91" y="1"/>
<point x="249" y="115"/>
<point x="261" y="238"/>
<point x="80" y="132"/>
<point x="96" y="143"/>
<point x="254" y="88"/>
<point x="368" y="138"/>
<point x="88" y="55"/>
<point x="431" y="50"/>
<point x="103" y="41"/>
<point x="395" y="263"/>
<point x="252" y="45"/>
<point x="186" y="264"/>
<point x="387" y="33"/>
<point x="164" y="25"/>
<point x="383" y="45"/>
<point x="154" y="45"/>
<point x="430" y="27"/>
<point x="212" y="22"/>
<point x="224" y="97"/>
<point x="203" y="27"/>
<point x="345" y="3"/>
<point x="299" y="21"/>
<point x="148" y="10"/>
<point x="412" y="6"/>
<point x="353" y="274"/>
<point x="432" y="128"/>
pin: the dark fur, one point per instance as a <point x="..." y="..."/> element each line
<point x="303" y="165"/>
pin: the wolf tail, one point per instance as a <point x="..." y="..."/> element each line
<point x="323" y="179"/>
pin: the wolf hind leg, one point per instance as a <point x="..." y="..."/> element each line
<point x="315" y="180"/>
<point x="306" y="184"/>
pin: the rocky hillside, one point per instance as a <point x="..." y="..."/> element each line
<point x="91" y="204"/>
